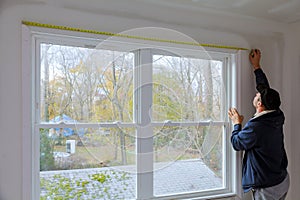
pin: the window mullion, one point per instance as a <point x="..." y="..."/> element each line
<point x="144" y="134"/>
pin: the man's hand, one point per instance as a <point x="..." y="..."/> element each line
<point x="254" y="58"/>
<point x="235" y="117"/>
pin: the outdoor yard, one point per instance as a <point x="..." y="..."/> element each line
<point x="118" y="183"/>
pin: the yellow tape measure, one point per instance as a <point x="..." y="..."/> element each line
<point x="51" y="26"/>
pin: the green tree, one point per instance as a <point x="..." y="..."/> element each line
<point x="46" y="151"/>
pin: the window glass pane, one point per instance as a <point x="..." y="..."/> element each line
<point x="83" y="85"/>
<point x="187" y="89"/>
<point x="188" y="159"/>
<point x="87" y="85"/>
<point x="87" y="164"/>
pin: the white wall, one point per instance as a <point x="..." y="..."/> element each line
<point x="292" y="94"/>
<point x="281" y="61"/>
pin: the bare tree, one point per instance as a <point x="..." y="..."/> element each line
<point x="116" y="83"/>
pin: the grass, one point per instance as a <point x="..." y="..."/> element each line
<point x="99" y="151"/>
<point x="105" y="155"/>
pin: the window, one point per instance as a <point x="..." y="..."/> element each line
<point x="113" y="123"/>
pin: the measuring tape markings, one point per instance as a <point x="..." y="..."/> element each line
<point x="29" y="23"/>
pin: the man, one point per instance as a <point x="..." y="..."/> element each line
<point x="265" y="161"/>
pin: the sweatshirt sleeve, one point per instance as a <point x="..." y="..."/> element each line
<point x="261" y="80"/>
<point x="243" y="139"/>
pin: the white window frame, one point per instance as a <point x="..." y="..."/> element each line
<point x="31" y="38"/>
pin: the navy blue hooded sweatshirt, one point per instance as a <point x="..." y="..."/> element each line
<point x="265" y="160"/>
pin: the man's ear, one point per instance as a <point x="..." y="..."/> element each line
<point x="259" y="103"/>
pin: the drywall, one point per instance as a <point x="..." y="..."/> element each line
<point x="277" y="41"/>
<point x="291" y="83"/>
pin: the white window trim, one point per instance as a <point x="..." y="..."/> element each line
<point x="144" y="139"/>
<point x="31" y="142"/>
<point x="27" y="124"/>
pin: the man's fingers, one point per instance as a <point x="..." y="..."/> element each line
<point x="254" y="52"/>
<point x="251" y="54"/>
<point x="232" y="112"/>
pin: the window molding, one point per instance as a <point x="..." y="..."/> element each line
<point x="30" y="49"/>
<point x="27" y="124"/>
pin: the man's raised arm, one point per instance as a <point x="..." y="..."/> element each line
<point x="260" y="76"/>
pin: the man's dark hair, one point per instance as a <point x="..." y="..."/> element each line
<point x="270" y="98"/>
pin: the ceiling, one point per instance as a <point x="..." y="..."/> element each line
<point x="284" y="11"/>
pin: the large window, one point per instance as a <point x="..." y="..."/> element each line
<point x="140" y="124"/>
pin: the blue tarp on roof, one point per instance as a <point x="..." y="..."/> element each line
<point x="67" y="131"/>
